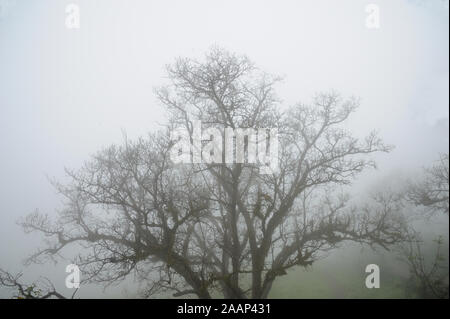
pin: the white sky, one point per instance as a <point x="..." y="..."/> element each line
<point x="65" y="93"/>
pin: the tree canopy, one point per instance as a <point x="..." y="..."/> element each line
<point x="205" y="228"/>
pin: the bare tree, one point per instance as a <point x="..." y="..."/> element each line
<point x="42" y="289"/>
<point x="212" y="227"/>
<point x="432" y="191"/>
<point x="429" y="272"/>
<point x="429" y="276"/>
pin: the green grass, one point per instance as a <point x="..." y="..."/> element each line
<point x="336" y="279"/>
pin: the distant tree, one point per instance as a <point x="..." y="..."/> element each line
<point x="429" y="273"/>
<point x="432" y="191"/>
<point x="429" y="276"/>
<point x="204" y="228"/>
<point x="42" y="289"/>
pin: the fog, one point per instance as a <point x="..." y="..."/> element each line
<point x="66" y="93"/>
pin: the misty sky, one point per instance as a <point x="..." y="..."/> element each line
<point x="65" y="93"/>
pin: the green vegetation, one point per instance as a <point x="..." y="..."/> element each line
<point x="339" y="278"/>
